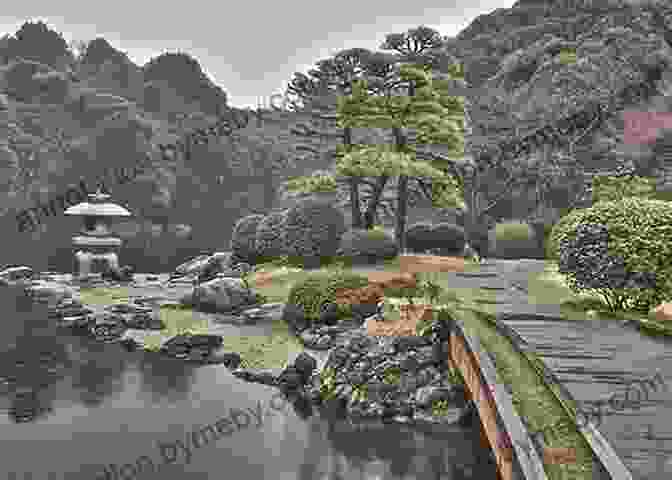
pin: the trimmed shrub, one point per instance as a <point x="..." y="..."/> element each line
<point x="319" y="289"/>
<point x="447" y="239"/>
<point x="418" y="237"/>
<point x="621" y="249"/>
<point x="513" y="240"/>
<point x="244" y="237"/>
<point x="562" y="231"/>
<point x="367" y="246"/>
<point x="513" y="231"/>
<point x="312" y="232"/>
<point x="268" y="239"/>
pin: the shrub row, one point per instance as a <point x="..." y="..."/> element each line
<point x="509" y="239"/>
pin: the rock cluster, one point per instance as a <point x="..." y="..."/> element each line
<point x="399" y="379"/>
<point x="16" y="275"/>
<point x="221" y="295"/>
<point x="201" y="348"/>
<point x="209" y="267"/>
<point x="127" y="323"/>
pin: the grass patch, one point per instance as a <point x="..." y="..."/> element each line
<point x="177" y="321"/>
<point x="265" y="351"/>
<point x="550" y="287"/>
<point x="103" y="295"/>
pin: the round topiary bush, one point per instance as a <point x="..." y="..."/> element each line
<point x="635" y="266"/>
<point x="367" y="246"/>
<point x="243" y="239"/>
<point x="319" y="288"/>
<point x="418" y="237"/>
<point x="513" y="240"/>
<point x="447" y="239"/>
<point x="313" y="231"/>
<point x="562" y="230"/>
<point x="268" y="239"/>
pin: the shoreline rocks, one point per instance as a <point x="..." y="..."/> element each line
<point x="366" y="378"/>
<point x="128" y="323"/>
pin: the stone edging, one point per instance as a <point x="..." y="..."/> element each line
<point x="610" y="466"/>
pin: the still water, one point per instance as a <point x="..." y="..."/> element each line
<point x="72" y="408"/>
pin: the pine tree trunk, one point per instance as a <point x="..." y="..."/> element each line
<point x="370" y="214"/>
<point x="402" y="196"/>
<point x="402" y="200"/>
<point x="354" y="187"/>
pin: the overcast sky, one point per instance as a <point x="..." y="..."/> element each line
<point x="250" y="48"/>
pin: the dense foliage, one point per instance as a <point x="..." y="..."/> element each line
<point x="39" y="43"/>
<point x="621" y="249"/>
<point x="319" y="288"/>
<point x="561" y="231"/>
<point x="319" y="181"/>
<point x="313" y="231"/>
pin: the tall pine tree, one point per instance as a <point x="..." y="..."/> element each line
<point x="436" y="118"/>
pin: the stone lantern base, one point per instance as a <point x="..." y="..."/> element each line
<point x="89" y="263"/>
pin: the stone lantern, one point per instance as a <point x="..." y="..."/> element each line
<point x="96" y="245"/>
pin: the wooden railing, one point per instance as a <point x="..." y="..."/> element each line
<point x="516" y="459"/>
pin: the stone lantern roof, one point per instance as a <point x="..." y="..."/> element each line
<point x="97" y="206"/>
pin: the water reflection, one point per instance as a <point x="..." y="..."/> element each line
<point x="32" y="357"/>
<point x="117" y="405"/>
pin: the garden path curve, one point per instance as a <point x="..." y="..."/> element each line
<point x="593" y="359"/>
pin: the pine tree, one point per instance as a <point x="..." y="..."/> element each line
<point x="435" y="116"/>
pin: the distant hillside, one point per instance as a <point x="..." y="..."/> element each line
<point x="64" y="116"/>
<point x="62" y="120"/>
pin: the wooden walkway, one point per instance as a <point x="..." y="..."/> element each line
<point x="596" y="360"/>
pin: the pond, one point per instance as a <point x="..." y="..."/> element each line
<point x="72" y="408"/>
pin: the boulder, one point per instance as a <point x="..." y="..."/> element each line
<point x="427" y="395"/>
<point x="144" y="320"/>
<point x="295" y="317"/>
<point x="329" y="314"/>
<point x="662" y="312"/>
<point x="267" y="313"/>
<point x="107" y="326"/>
<point x="305" y="365"/>
<point x="49" y="292"/>
<point x="195" y="266"/>
<point x="218" y="264"/>
<point x="221" y="295"/>
<point x="230" y="360"/>
<point x="193" y="347"/>
<point x="16" y="275"/>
